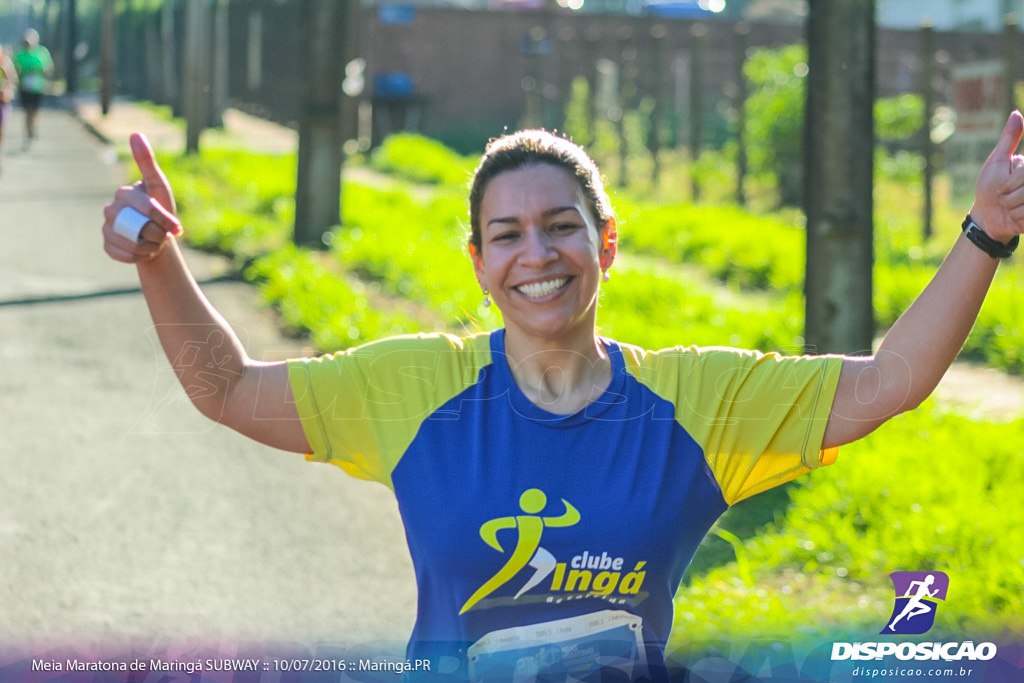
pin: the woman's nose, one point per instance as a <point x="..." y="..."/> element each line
<point x="537" y="248"/>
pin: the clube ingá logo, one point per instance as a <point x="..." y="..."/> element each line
<point x="588" y="572"/>
<point x="917" y="599"/>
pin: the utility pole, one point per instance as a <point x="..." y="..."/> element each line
<point x="627" y="94"/>
<point x="566" y="39"/>
<point x="927" y="147"/>
<point x="741" y="34"/>
<point x="1011" y="37"/>
<point x="71" y="40"/>
<point x="169" y="92"/>
<point x="321" y="137"/>
<point x="196" y="93"/>
<point x="698" y="39"/>
<point x="838" y="167"/>
<point x="591" y="40"/>
<point x="107" y="56"/>
<point x="534" y="47"/>
<point x="219" y="71"/>
<point x="658" y="33"/>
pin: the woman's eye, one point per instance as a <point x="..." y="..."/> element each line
<point x="563" y="227"/>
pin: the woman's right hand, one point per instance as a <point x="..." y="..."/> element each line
<point x="151" y="197"/>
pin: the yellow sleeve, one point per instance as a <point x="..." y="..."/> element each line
<point x="759" y="418"/>
<point x="361" y="408"/>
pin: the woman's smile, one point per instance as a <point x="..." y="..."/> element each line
<point x="539" y="290"/>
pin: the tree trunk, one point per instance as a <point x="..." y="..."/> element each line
<point x="196" y="94"/>
<point x="169" y="91"/>
<point x="107" y="56"/>
<point x="70" y="43"/>
<point x="838" y="164"/>
<point x="321" y="138"/>
<point x="219" y="65"/>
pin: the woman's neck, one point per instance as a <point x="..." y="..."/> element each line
<point x="560" y="378"/>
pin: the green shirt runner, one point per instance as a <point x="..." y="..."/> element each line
<point x="32" y="65"/>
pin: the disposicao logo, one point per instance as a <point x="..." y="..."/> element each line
<point x="913" y="613"/>
<point x="917" y="596"/>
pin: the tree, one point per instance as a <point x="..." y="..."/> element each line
<point x="318" y="191"/>
<point x="195" y="98"/>
<point x="838" y="165"/>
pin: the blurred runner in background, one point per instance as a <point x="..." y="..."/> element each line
<point x="34" y="66"/>
<point x="8" y="85"/>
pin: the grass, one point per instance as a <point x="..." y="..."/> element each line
<point x="929" y="490"/>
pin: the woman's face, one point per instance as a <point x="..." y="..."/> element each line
<point x="541" y="252"/>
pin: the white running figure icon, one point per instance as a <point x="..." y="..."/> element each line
<point x="915" y="605"/>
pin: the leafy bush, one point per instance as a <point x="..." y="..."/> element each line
<point x="775" y="122"/>
<point x="334" y="309"/>
<point x="425" y="259"/>
<point x="900" y="117"/>
<point x="421" y="160"/>
<point x="579" y="113"/>
<point x="235" y="202"/>
<point x="775" y="116"/>
<point x="690" y="310"/>
<point x="732" y="245"/>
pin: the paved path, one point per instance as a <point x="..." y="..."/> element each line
<point x="124" y="515"/>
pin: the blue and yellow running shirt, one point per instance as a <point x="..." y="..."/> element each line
<point x="546" y="541"/>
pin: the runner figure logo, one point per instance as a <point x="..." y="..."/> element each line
<point x="917" y="596"/>
<point x="527" y="550"/>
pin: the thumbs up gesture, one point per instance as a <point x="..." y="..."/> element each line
<point x="141" y="220"/>
<point x="999" y="193"/>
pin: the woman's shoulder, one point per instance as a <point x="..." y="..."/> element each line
<point x="638" y="355"/>
<point x="721" y="361"/>
<point x="439" y="341"/>
<point x="409" y="345"/>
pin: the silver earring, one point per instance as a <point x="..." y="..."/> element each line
<point x="487" y="299"/>
<point x="605" y="277"/>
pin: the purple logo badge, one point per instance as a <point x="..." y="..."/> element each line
<point x="917" y="596"/>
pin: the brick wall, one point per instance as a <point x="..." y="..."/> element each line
<point x="470" y="66"/>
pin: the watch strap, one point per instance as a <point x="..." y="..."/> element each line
<point x="983" y="241"/>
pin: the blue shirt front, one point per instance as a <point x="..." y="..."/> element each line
<point x="542" y="540"/>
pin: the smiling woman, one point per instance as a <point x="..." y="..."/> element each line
<point x="554" y="483"/>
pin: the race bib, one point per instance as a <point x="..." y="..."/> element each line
<point x="609" y="641"/>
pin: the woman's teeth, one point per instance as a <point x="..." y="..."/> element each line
<point x="535" y="290"/>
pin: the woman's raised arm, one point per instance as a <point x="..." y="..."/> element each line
<point x="227" y="386"/>
<point x="921" y="345"/>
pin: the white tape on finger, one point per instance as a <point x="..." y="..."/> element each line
<point x="129" y="222"/>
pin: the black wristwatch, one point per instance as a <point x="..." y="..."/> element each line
<point x="981" y="239"/>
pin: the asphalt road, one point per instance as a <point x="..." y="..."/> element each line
<point x="124" y="515"/>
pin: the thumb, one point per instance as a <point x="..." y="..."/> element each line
<point x="153" y="179"/>
<point x="142" y="151"/>
<point x="1010" y="137"/>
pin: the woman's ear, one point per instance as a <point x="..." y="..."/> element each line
<point x="476" y="256"/>
<point x="609" y="244"/>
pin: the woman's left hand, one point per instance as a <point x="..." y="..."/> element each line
<point x="151" y="197"/>
<point x="999" y="193"/>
